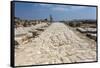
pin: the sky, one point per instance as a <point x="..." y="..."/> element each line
<point x="31" y="11"/>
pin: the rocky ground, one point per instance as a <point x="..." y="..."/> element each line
<point x="58" y="43"/>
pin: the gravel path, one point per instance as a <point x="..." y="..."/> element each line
<point x="59" y="43"/>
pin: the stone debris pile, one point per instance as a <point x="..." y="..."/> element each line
<point x="59" y="43"/>
<point x="23" y="34"/>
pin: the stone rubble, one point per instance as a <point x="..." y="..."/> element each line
<point x="58" y="43"/>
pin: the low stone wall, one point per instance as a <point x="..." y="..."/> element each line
<point x="90" y="32"/>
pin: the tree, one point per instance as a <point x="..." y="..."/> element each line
<point x="45" y="19"/>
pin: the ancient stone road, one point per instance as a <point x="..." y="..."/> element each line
<point x="59" y="43"/>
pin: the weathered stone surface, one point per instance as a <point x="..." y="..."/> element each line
<point x="91" y="30"/>
<point x="24" y="30"/>
<point x="22" y="34"/>
<point x="87" y="30"/>
<point x="92" y="36"/>
<point x="82" y="30"/>
<point x="57" y="44"/>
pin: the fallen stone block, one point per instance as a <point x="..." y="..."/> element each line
<point x="29" y="35"/>
<point x="21" y="39"/>
<point x="81" y="30"/>
<point x="91" y="30"/>
<point x="92" y="36"/>
<point x="40" y="29"/>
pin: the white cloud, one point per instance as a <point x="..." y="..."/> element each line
<point x="59" y="9"/>
<point x="46" y="5"/>
<point x="78" y="7"/>
<point x="67" y="8"/>
<point x="55" y="7"/>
